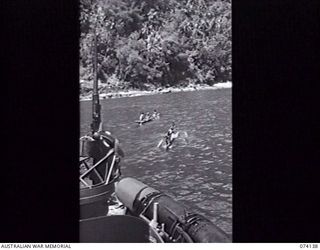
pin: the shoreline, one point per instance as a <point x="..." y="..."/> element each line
<point x="133" y="93"/>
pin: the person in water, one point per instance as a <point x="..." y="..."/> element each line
<point x="147" y="116"/>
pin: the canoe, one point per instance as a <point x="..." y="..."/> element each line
<point x="143" y="121"/>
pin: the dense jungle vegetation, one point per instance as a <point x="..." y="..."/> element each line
<point x="149" y="44"/>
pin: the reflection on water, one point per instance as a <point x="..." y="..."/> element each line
<point x="197" y="172"/>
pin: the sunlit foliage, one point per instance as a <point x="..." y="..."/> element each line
<point x="146" y="44"/>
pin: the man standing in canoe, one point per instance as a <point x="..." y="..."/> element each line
<point x="169" y="134"/>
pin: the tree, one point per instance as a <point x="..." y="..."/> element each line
<point x="152" y="43"/>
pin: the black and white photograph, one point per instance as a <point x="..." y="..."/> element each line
<point x="149" y="121"/>
<point x="155" y="121"/>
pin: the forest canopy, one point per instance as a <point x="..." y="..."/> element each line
<point x="147" y="44"/>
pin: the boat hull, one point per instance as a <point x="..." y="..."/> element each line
<point x="117" y="229"/>
<point x="140" y="199"/>
<point x="94" y="201"/>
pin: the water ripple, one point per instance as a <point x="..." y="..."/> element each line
<point x="197" y="173"/>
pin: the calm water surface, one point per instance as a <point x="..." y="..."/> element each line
<point x="197" y="172"/>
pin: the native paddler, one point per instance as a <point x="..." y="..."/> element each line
<point x="169" y="134"/>
<point x="155" y="115"/>
<point x="147" y="117"/>
<point x="141" y="117"/>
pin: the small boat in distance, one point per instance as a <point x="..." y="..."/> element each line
<point x="148" y="118"/>
<point x="143" y="121"/>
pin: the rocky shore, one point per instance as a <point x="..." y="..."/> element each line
<point x="130" y="93"/>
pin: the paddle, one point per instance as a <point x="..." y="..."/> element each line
<point x="160" y="143"/>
